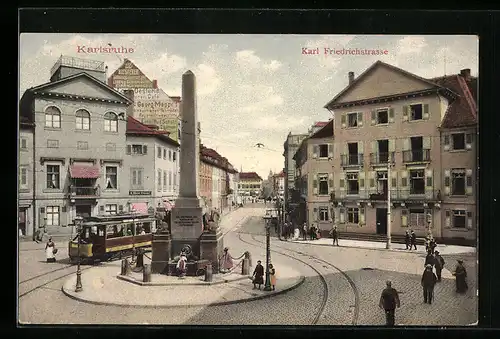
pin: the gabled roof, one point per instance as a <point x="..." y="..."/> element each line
<point x="48" y="85"/>
<point x="320" y="123"/>
<point x="135" y="127"/>
<point x="325" y="132"/>
<point x="372" y="68"/>
<point x="462" y="112"/>
<point x="250" y="175"/>
<point x="122" y="66"/>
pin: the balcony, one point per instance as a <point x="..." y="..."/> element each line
<point x="396" y="195"/>
<point x="83" y="192"/>
<point x="347" y="160"/>
<point x="417" y="156"/>
<point x="381" y="158"/>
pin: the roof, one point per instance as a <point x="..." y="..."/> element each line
<point x="135" y="127"/>
<point x="462" y="112"/>
<point x="371" y="69"/>
<point x="78" y="171"/>
<point x="320" y="123"/>
<point x="325" y="132"/>
<point x="176" y="99"/>
<point x="281" y="174"/>
<point x="207" y="154"/>
<point x="250" y="176"/>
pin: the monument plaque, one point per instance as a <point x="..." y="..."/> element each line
<point x="187" y="223"/>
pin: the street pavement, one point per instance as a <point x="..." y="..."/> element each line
<point x="367" y="269"/>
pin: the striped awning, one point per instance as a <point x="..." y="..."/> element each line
<point x="139" y="208"/>
<point x="84" y="171"/>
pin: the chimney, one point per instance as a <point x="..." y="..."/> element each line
<point x="129" y="93"/>
<point x="465" y="73"/>
<point x="351" y="77"/>
<point x="155" y="83"/>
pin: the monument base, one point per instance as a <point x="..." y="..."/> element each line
<point x="178" y="244"/>
<point x="211" y="247"/>
<point x="161" y="246"/>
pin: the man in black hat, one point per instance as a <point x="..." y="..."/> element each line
<point x="428" y="282"/>
<point x="389" y="300"/>
<point x="439" y="264"/>
<point x="413" y="240"/>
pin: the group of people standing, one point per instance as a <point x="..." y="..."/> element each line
<point x="258" y="276"/>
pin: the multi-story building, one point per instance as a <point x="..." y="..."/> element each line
<point x="205" y="180"/>
<point x="315" y="172"/>
<point x="250" y="184"/>
<point x="152" y="159"/>
<point x="26" y="175"/>
<point x="279" y="184"/>
<point x="233" y="192"/>
<point x="79" y="133"/>
<point x="390" y="117"/>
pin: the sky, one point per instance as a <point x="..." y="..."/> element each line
<point x="252" y="88"/>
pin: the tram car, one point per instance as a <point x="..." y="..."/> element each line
<point x="110" y="237"/>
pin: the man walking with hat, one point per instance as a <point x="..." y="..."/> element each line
<point x="439" y="264"/>
<point x="389" y="300"/>
<point x="428" y="282"/>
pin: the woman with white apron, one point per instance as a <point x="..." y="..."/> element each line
<point x="50" y="251"/>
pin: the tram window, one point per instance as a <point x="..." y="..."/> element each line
<point x="101" y="231"/>
<point x="129" y="230"/>
<point x="147" y="227"/>
<point x="112" y="231"/>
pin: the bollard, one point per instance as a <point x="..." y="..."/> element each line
<point x="140" y="258"/>
<point x="146" y="273"/>
<point x="245" y="267"/>
<point x="124" y="267"/>
<point x="208" y="273"/>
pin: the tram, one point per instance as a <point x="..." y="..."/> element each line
<point x="110" y="237"/>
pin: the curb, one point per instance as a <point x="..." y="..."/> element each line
<point x="201" y="283"/>
<point x="222" y="303"/>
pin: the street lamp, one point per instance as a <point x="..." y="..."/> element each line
<point x="79" y="287"/>
<point x="267" y="284"/>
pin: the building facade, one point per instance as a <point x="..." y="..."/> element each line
<point x="389" y="117"/>
<point x="250" y="184"/>
<point x="26" y="176"/>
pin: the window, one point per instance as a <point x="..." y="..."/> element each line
<point x="52" y="215"/>
<point x="158" y="175"/>
<point x="458" y="140"/>
<point x="158" y="151"/>
<point x="323" y="184"/>
<point x="23" y="177"/>
<point x="174" y="156"/>
<point x="352" y="120"/>
<point x="382" y="117"/>
<point x="459" y="219"/>
<point x="164" y="154"/>
<point x="136" y="177"/>
<point x="82" y="145"/>
<point x="417" y="182"/>
<point x="82" y="120"/>
<point x="52" y="143"/>
<point x="458" y="182"/>
<point x="323" y="151"/>
<point x="164" y="180"/>
<point x="138" y="149"/>
<point x="323" y="214"/>
<point x="353" y="215"/>
<point x="111" y="209"/>
<point x="53" y="176"/>
<point x="110" y="147"/>
<point x="110" y="122"/>
<point x="417" y="218"/>
<point x="352" y="183"/>
<point x="111" y="177"/>
<point x="52" y="117"/>
<point x="416" y="112"/>
<point x="23" y="144"/>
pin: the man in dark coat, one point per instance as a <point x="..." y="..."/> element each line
<point x="258" y="275"/>
<point x="433" y="245"/>
<point x="429" y="260"/>
<point x="460" y="277"/>
<point x="428" y="282"/>
<point x="335" y="235"/>
<point x="413" y="240"/>
<point x="407" y="240"/>
<point x="389" y="300"/>
<point x="439" y="264"/>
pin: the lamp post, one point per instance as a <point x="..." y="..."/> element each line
<point x="79" y="287"/>
<point x="134" y="226"/>
<point x="267" y="284"/>
<point x="389" y="218"/>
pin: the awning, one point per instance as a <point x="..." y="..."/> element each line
<point x="168" y="205"/>
<point x="140" y="207"/>
<point x="84" y="172"/>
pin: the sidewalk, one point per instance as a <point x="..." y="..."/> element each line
<point x="101" y="286"/>
<point x="375" y="245"/>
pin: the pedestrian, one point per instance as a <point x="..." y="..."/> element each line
<point x="389" y="300"/>
<point x="50" y="250"/>
<point x="312" y="232"/>
<point x="439" y="264"/>
<point x="428" y="282"/>
<point x="272" y="274"/>
<point x="407" y="240"/>
<point x="335" y="235"/>
<point x="429" y="260"/>
<point x="304" y="232"/>
<point x="226" y="262"/>
<point x="181" y="265"/>
<point x="460" y="277"/>
<point x="433" y="245"/>
<point x="413" y="240"/>
<point x="258" y="275"/>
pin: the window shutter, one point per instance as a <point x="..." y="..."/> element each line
<point x="406" y="144"/>
<point x="394" y="184"/>
<point x="469" y="220"/>
<point x="428" y="178"/>
<point x="360" y="119"/>
<point x="468" y="141"/>
<point x="404" y="178"/>
<point x="447" y="174"/>
<point x="139" y="177"/>
<point x="315" y="151"/>
<point x="342" y="215"/>
<point x="447" y="219"/>
<point x="101" y="208"/>
<point x="129" y="149"/>
<point x="342" y="183"/>
<point x="144" y="149"/>
<point x="315" y="185"/>
<point x="404" y="218"/>
<point x="361" y="216"/>
<point x="330" y="151"/>
<point x="120" y="208"/>
<point x="371" y="176"/>
<point x="391" y="114"/>
<point x="426" y="142"/>
<point x="468" y="181"/>
<point x="343" y="121"/>
<point x="361" y="180"/>
<point x="446" y="142"/>
<point x="374" y="117"/>
<point x="405" y="113"/>
<point x="330" y="182"/>
<point x="392" y="145"/>
<point x="360" y="149"/>
<point x="426" y="113"/>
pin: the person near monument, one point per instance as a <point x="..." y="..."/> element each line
<point x="428" y="282"/>
<point x="50" y="250"/>
<point x="460" y="277"/>
<point x="389" y="300"/>
<point x="439" y="264"/>
<point x="226" y="263"/>
<point x="413" y="240"/>
<point x="272" y="274"/>
<point x="429" y="260"/>
<point x="181" y="265"/>
<point x="258" y="275"/>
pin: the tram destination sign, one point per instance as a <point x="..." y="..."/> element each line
<point x="139" y="192"/>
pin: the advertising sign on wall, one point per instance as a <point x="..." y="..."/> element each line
<point x="128" y="76"/>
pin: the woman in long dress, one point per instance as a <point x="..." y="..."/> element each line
<point x="460" y="277"/>
<point x="49" y="251"/>
<point x="226" y="261"/>
<point x="272" y="273"/>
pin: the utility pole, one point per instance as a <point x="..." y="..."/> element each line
<point x="388" y="244"/>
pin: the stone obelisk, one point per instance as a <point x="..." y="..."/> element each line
<point x="187" y="224"/>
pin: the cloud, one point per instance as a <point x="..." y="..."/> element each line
<point x="165" y="64"/>
<point x="247" y="58"/>
<point x="259" y="98"/>
<point x="208" y="81"/>
<point x="276" y="123"/>
<point x="411" y="44"/>
<point x="273" y="65"/>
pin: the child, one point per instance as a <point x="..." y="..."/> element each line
<point x="272" y="273"/>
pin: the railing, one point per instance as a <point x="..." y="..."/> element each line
<point x="84" y="191"/>
<point x="417" y="155"/>
<point x="381" y="158"/>
<point x="396" y="194"/>
<point x="93" y="65"/>
<point x="351" y="159"/>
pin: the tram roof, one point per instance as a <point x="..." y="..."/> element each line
<point x="127" y="217"/>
